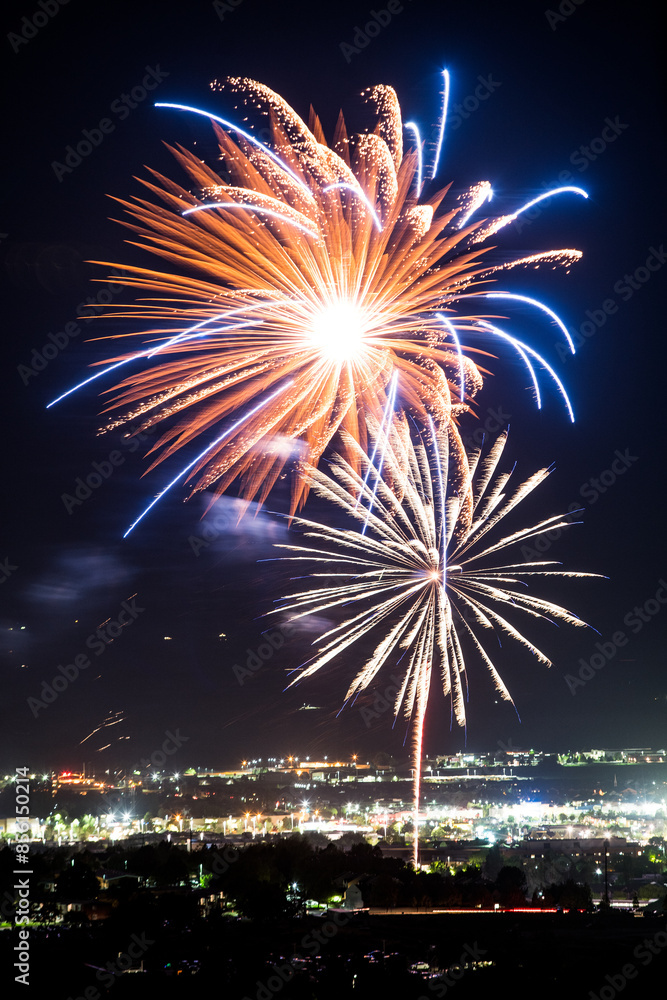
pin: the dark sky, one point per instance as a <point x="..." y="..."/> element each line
<point x="555" y="85"/>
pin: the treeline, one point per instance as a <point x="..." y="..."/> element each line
<point x="269" y="880"/>
<point x="266" y="881"/>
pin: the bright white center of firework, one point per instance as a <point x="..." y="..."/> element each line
<point x="338" y="332"/>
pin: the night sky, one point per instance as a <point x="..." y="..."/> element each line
<point x="577" y="94"/>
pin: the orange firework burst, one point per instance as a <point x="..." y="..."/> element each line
<point x="308" y="279"/>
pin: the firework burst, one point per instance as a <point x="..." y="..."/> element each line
<point x="301" y="282"/>
<point x="427" y="569"/>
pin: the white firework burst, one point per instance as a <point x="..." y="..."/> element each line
<point x="427" y="569"/>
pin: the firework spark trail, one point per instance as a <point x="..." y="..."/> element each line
<point x="505" y="220"/>
<point x="418" y="737"/>
<point x="521" y="347"/>
<point x="246" y="135"/>
<point x="250" y="207"/>
<point x="424" y="572"/>
<point x="443" y="122"/>
<point x="383" y="436"/>
<point x="230" y="430"/>
<point x="337" y="273"/>
<point x="414" y="128"/>
<point x="178" y="339"/>
<point x="355" y="190"/>
<point x="483" y="193"/>
<point x="386" y="417"/>
<point x="442" y="491"/>
<point x="539" y="305"/>
<point x="455" y="337"/>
